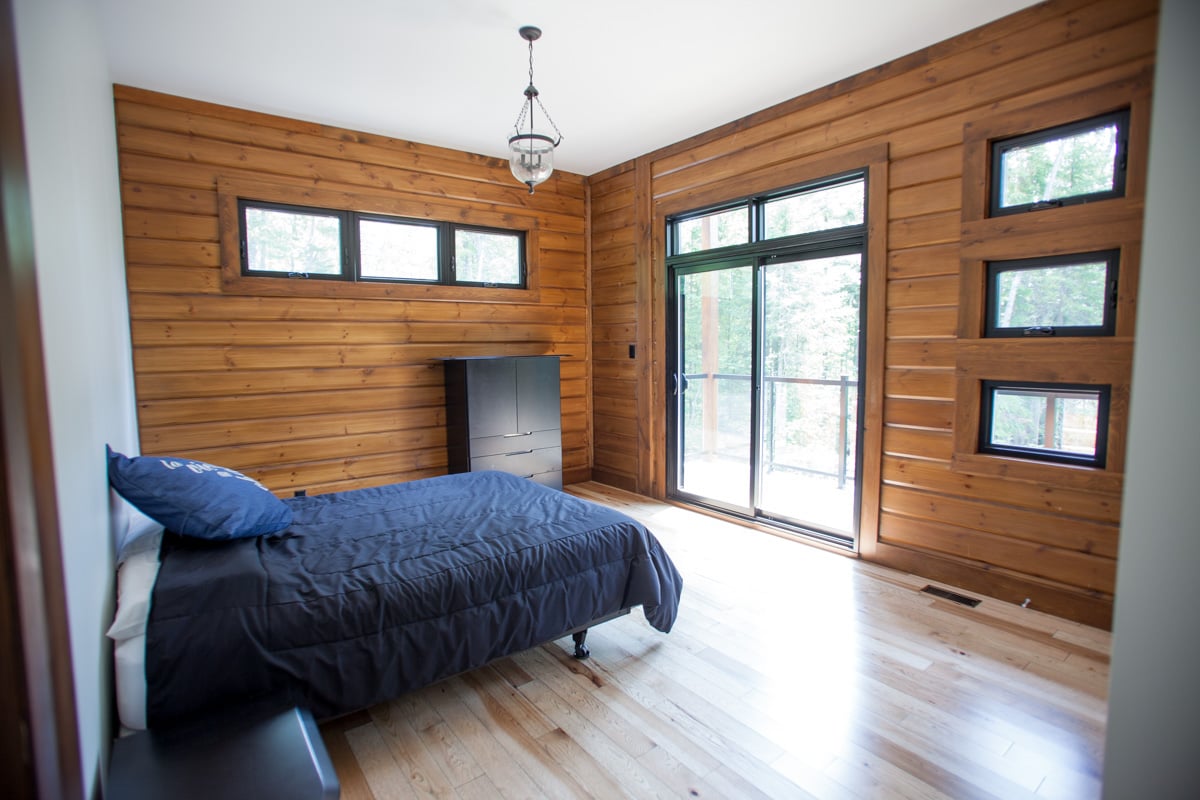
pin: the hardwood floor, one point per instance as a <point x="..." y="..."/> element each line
<point x="791" y="672"/>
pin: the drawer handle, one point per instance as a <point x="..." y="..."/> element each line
<point x="514" y="435"/>
<point x="518" y="453"/>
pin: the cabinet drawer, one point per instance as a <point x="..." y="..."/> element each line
<point x="532" y="462"/>
<point x="514" y="443"/>
<point x="551" y="479"/>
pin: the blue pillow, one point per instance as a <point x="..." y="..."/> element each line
<point x="193" y="498"/>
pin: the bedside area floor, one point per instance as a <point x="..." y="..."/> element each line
<point x="792" y="672"/>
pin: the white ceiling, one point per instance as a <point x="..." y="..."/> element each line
<point x="620" y="77"/>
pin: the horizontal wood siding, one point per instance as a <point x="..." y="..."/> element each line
<point x="614" y="327"/>
<point x="320" y="392"/>
<point x="1051" y="541"/>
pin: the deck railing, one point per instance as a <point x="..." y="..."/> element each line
<point x="843" y="434"/>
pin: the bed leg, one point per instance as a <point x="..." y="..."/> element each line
<point x="581" y="650"/>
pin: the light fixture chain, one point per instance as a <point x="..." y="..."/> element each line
<point x="550" y="120"/>
<point x="531" y="92"/>
<point x="521" y="116"/>
<point x="529" y="104"/>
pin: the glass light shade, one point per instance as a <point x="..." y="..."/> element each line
<point x="531" y="158"/>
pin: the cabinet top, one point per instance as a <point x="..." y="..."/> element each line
<point x="493" y="358"/>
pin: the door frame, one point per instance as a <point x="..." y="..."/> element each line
<point x="652" y="273"/>
<point x="39" y="733"/>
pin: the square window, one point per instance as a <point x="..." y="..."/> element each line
<point x="1064" y="423"/>
<point x="492" y="258"/>
<point x="1064" y="165"/>
<point x="826" y="208"/>
<point x="291" y="240"/>
<point x="1072" y="295"/>
<point x="715" y="229"/>
<point x="397" y="251"/>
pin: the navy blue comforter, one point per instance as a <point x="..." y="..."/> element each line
<point x="375" y="592"/>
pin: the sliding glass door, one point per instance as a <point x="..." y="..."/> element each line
<point x="766" y="348"/>
<point x="713" y="386"/>
<point x="810" y="356"/>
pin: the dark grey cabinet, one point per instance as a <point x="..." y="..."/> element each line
<point x="504" y="414"/>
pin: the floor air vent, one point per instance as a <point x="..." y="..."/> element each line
<point x="946" y="594"/>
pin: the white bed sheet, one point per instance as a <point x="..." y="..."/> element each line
<point x="136" y="574"/>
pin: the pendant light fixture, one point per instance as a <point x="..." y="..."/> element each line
<point x="531" y="154"/>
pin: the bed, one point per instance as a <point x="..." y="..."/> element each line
<point x="367" y="594"/>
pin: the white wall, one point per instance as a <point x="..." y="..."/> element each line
<point x="1154" y="690"/>
<point x="70" y="142"/>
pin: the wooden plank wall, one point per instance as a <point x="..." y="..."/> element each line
<point x="1052" y="543"/>
<point x="614" y="328"/>
<point x="330" y="392"/>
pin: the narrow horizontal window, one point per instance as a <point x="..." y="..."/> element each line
<point x="279" y="239"/>
<point x="393" y="250"/>
<point x="813" y="210"/>
<point x="834" y="204"/>
<point x="1075" y="163"/>
<point x="490" y="258"/>
<point x="289" y="241"/>
<point x="714" y="229"/>
<point x="1064" y="423"/>
<point x="1073" y="295"/>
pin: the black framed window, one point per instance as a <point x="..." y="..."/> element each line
<point x="1074" y="163"/>
<point x="279" y="239"/>
<point x="392" y="249"/>
<point x="710" y="230"/>
<point x="1070" y="295"/>
<point x="832" y="205"/>
<point x="821" y="209"/>
<point x="1056" y="422"/>
<point x="486" y="256"/>
<point x="293" y="241"/>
